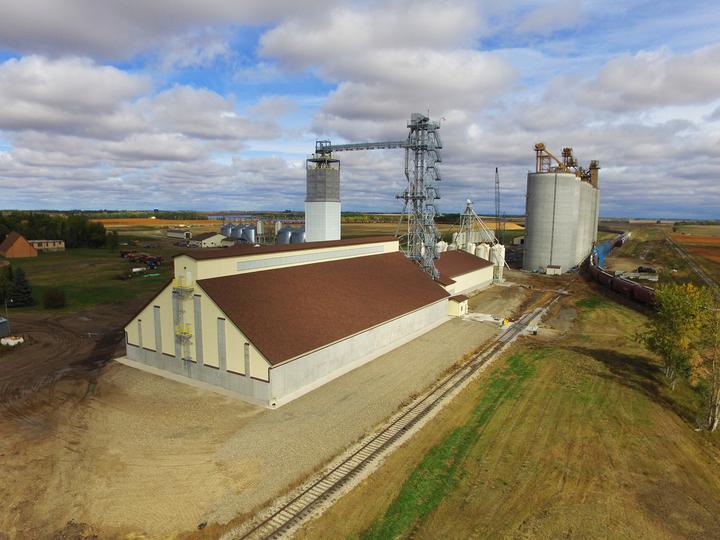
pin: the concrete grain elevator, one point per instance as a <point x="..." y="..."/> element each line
<point x="561" y="211"/>
<point x="322" y="201"/>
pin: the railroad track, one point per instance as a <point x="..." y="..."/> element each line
<point x="710" y="282"/>
<point x="307" y="499"/>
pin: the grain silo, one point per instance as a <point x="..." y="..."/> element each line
<point x="561" y="211"/>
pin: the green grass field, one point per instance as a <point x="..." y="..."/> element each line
<point x="87" y="277"/>
<point x="577" y="437"/>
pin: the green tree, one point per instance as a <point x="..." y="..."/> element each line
<point x="705" y="371"/>
<point x="675" y="330"/>
<point x="21" y="292"/>
<point x="6" y="281"/>
<point x="112" y="240"/>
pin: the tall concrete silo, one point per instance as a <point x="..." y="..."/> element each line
<point x="561" y="211"/>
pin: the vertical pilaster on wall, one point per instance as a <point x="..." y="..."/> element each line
<point x="222" y="352"/>
<point x="158" y="329"/>
<point x="198" y="330"/>
<point x="247" y="359"/>
<point x="176" y="321"/>
<point x="140" y="341"/>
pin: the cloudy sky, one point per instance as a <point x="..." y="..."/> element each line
<point x="215" y="104"/>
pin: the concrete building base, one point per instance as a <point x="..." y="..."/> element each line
<point x="296" y="377"/>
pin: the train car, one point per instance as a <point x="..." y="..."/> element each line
<point x="644" y="295"/>
<point x="623" y="286"/>
<point x="604" y="278"/>
<point x="635" y="291"/>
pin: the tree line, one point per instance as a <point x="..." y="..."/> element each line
<point x="76" y="230"/>
<point x="685" y="333"/>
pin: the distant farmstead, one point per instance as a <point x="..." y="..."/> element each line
<point x="211" y="240"/>
<point x="48" y="245"/>
<point x="15" y="246"/>
<point x="183" y="234"/>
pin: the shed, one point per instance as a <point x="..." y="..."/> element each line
<point x="15" y="246"/>
<point x="184" y="234"/>
<point x="4" y="327"/>
<point x="457" y="305"/>
<point x="48" y="245"/>
<point x="209" y="240"/>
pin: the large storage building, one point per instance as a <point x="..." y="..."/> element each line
<point x="271" y="323"/>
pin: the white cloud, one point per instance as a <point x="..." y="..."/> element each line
<point x="67" y="94"/>
<point x="389" y="60"/>
<point x="194" y="49"/>
<point x="203" y="114"/>
<point x="551" y="17"/>
<point x="654" y="78"/>
<point x="122" y="29"/>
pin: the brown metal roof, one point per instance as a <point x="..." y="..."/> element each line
<point x="456" y="263"/>
<point x="288" y="312"/>
<point x="459" y="298"/>
<point x="246" y="249"/>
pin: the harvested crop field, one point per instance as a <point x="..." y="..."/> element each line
<point x="143" y="222"/>
<point x="711" y="254"/>
<point x="691" y="239"/>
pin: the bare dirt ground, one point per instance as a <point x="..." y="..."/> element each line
<point x="616" y="263"/>
<point x="90" y="448"/>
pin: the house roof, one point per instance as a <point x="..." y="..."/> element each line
<point x="10" y="240"/>
<point x="458" y="262"/>
<point x="249" y="249"/>
<point x="289" y="312"/>
<point x="205" y="236"/>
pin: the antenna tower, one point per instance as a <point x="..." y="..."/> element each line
<point x="422" y="154"/>
<point x="499" y="219"/>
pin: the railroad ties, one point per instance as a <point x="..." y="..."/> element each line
<point x="330" y="482"/>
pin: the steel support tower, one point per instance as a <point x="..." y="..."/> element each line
<point x="473" y="228"/>
<point x="422" y="155"/>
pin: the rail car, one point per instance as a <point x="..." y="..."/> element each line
<point x="635" y="291"/>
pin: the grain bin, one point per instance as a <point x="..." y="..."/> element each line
<point x="497" y="257"/>
<point x="483" y="251"/>
<point x="283" y="236"/>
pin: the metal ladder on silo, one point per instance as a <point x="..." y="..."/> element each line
<point x="182" y="291"/>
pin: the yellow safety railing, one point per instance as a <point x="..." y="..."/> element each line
<point x="183" y="330"/>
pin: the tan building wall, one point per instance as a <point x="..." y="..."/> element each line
<point x="48" y="245"/>
<point x="471" y="281"/>
<point x="211" y="242"/>
<point x="143" y="325"/>
<point x="457" y="308"/>
<point x="227" y="266"/>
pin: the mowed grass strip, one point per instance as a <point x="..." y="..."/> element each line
<point x="437" y="474"/>
<point x="88" y="277"/>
